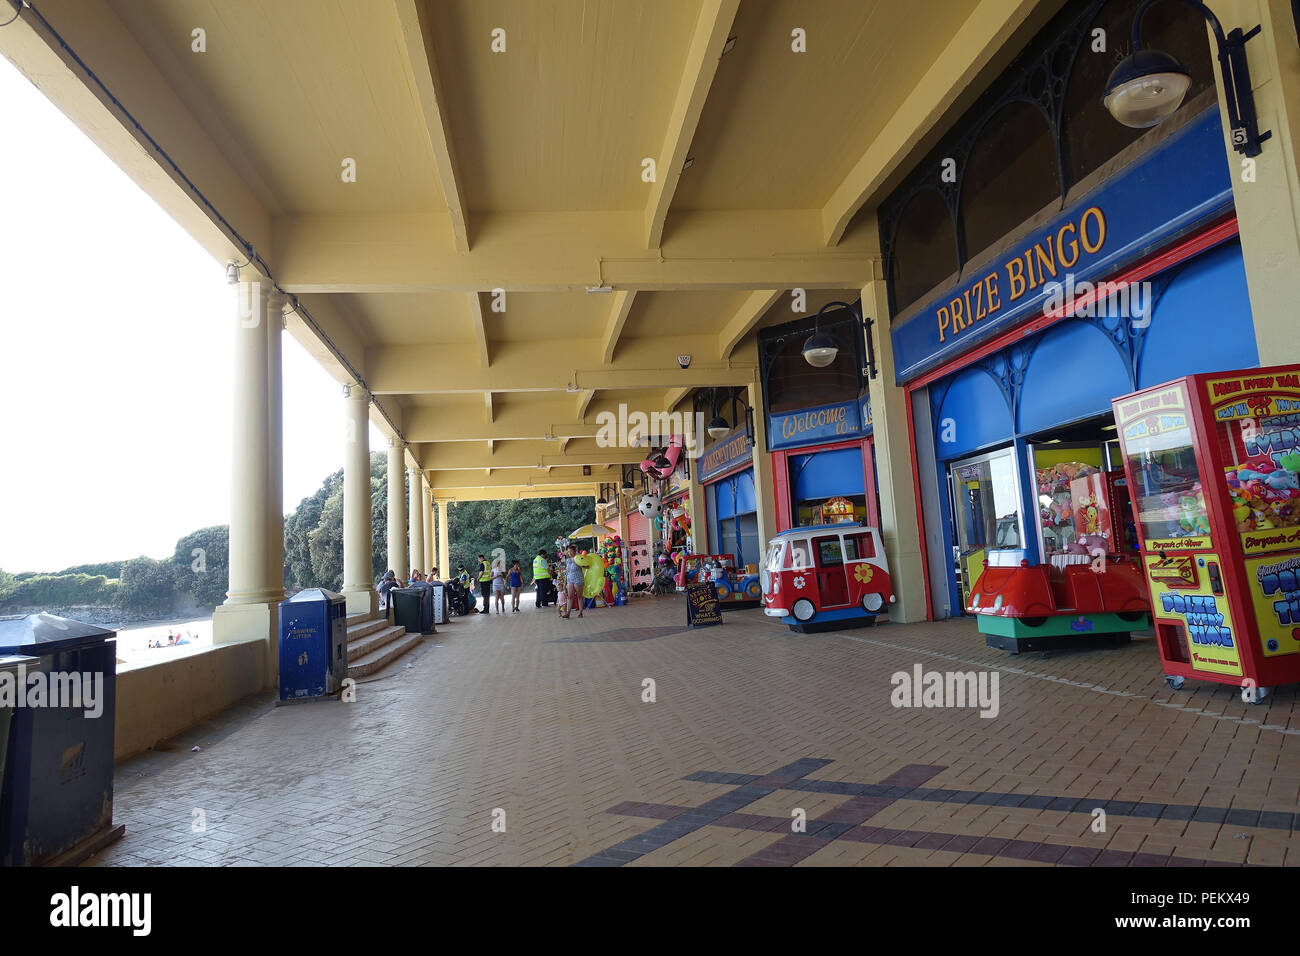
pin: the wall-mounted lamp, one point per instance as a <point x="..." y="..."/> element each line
<point x="1148" y="86"/>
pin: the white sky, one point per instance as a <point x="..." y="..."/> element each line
<point x="116" y="333"/>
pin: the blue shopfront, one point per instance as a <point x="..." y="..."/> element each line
<point x="819" y="430"/>
<point x="1010" y="372"/>
<point x="726" y="470"/>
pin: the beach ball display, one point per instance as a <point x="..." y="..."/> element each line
<point x="649" y="506"/>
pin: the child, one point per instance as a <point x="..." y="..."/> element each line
<point x="516" y="582"/>
<point x="499" y="586"/>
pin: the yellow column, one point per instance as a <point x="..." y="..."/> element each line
<point x="764" y="489"/>
<point x="899" y="526"/>
<point x="358" y="539"/>
<point x="397" y="554"/>
<point x="415" y="519"/>
<point x="430" y="545"/>
<point x="256" y="582"/>
<point x="1266" y="189"/>
<point x="444" y="542"/>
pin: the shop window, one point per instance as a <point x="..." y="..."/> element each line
<point x="793" y="384"/>
<point x="1010" y="176"/>
<point x="924" y="250"/>
<point x="1092" y="136"/>
<point x="1167" y="495"/>
<point x="829" y="553"/>
<point x="798" y="555"/>
<point x="858" y="547"/>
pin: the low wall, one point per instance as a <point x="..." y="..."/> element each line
<point x="157" y="701"/>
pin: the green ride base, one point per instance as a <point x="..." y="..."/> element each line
<point x="1060" y="632"/>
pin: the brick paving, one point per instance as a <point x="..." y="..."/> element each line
<point x="543" y="719"/>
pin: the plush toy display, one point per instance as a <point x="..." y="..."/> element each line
<point x="1265" y="493"/>
<point x="612" y="552"/>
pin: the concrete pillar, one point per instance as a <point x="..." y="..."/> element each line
<point x="358" y="535"/>
<point x="1266" y="189"/>
<point x="256" y="580"/>
<point x="415" y="518"/>
<point x="444" y="542"/>
<point x="430" y="543"/>
<point x="397" y="553"/>
<point x="899" y="524"/>
<point x="764" y="489"/>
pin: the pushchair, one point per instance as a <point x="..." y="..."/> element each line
<point x="457" y="599"/>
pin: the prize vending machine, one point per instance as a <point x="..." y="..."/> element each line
<point x="1213" y="467"/>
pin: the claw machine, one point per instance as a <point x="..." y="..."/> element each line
<point x="1213" y="468"/>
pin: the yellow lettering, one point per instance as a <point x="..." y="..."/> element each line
<point x="1060" y="248"/>
<point x="970" y="313"/>
<point x="1045" y="258"/>
<point x="944" y="320"/>
<point x="1100" y="218"/>
<point x="979" y="301"/>
<point x="957" y="323"/>
<point x="1016" y="279"/>
<point x="1029" y="268"/>
<point x="991" y="284"/>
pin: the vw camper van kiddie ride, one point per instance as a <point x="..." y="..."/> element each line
<point x="826" y="577"/>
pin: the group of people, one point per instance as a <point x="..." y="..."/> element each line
<point x="173" y="638"/>
<point x="494" y="577"/>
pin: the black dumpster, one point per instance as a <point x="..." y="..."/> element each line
<point x="413" y="608"/>
<point x="56" y="802"/>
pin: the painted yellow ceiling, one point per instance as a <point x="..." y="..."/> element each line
<point x="562" y="119"/>
<point x="656" y="314"/>
<point x="424" y="318"/>
<point x="300" y="86"/>
<point x="781" y="129"/>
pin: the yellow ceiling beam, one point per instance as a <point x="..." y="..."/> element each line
<point x="566" y="251"/>
<point x="645" y="364"/>
<point x="746" y="317"/>
<point x="479" y="321"/>
<point x="445" y="481"/>
<point x="460" y="456"/>
<point x="711" y="29"/>
<point x="504" y="492"/>
<point x="584" y="402"/>
<point x="417" y="37"/>
<point x="487" y="406"/>
<point x="618" y="313"/>
<point x="984" y="33"/>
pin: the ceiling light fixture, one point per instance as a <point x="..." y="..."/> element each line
<point x="728" y="46"/>
<point x="1149" y="85"/>
<point x="600" y="288"/>
<point x="820" y="350"/>
<point x="690" y="161"/>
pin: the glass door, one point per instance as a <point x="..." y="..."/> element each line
<point x="986" y="512"/>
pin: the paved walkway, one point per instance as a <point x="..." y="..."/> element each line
<point x="539" y="724"/>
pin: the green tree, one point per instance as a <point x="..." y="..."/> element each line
<point x="324" y="539"/>
<point x="147" y="586"/>
<point x="520" y="527"/>
<point x="201" y="565"/>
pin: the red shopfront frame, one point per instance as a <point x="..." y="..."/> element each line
<point x="1213" y="235"/>
<point x="781" y="479"/>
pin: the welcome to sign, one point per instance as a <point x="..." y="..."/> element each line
<point x="1178" y="186"/>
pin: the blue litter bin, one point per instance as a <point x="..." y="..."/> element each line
<point x="313" y="644"/>
<point x="56" y="801"/>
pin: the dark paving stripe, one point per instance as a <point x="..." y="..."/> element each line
<point x="621" y="635"/>
<point x="709" y="812"/>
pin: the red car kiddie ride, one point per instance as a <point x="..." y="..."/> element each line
<point x="827" y="576"/>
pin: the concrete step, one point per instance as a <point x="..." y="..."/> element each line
<point x="359" y="647"/>
<point x="365" y="626"/>
<point x="376" y="659"/>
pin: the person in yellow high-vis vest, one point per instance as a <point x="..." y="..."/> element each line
<point x="485" y="583"/>
<point x="542" y="578"/>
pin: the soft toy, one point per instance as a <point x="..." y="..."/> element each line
<point x="671" y="454"/>
<point x="1093" y="543"/>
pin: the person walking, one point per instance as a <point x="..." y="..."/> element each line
<point x="575" y="581"/>
<point x="499" y="585"/>
<point x="516" y="581"/>
<point x="485" y="583"/>
<point x="542" y="578"/>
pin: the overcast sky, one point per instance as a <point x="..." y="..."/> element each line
<point x="116" y="344"/>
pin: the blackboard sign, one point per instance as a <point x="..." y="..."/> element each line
<point x="702" y="606"/>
